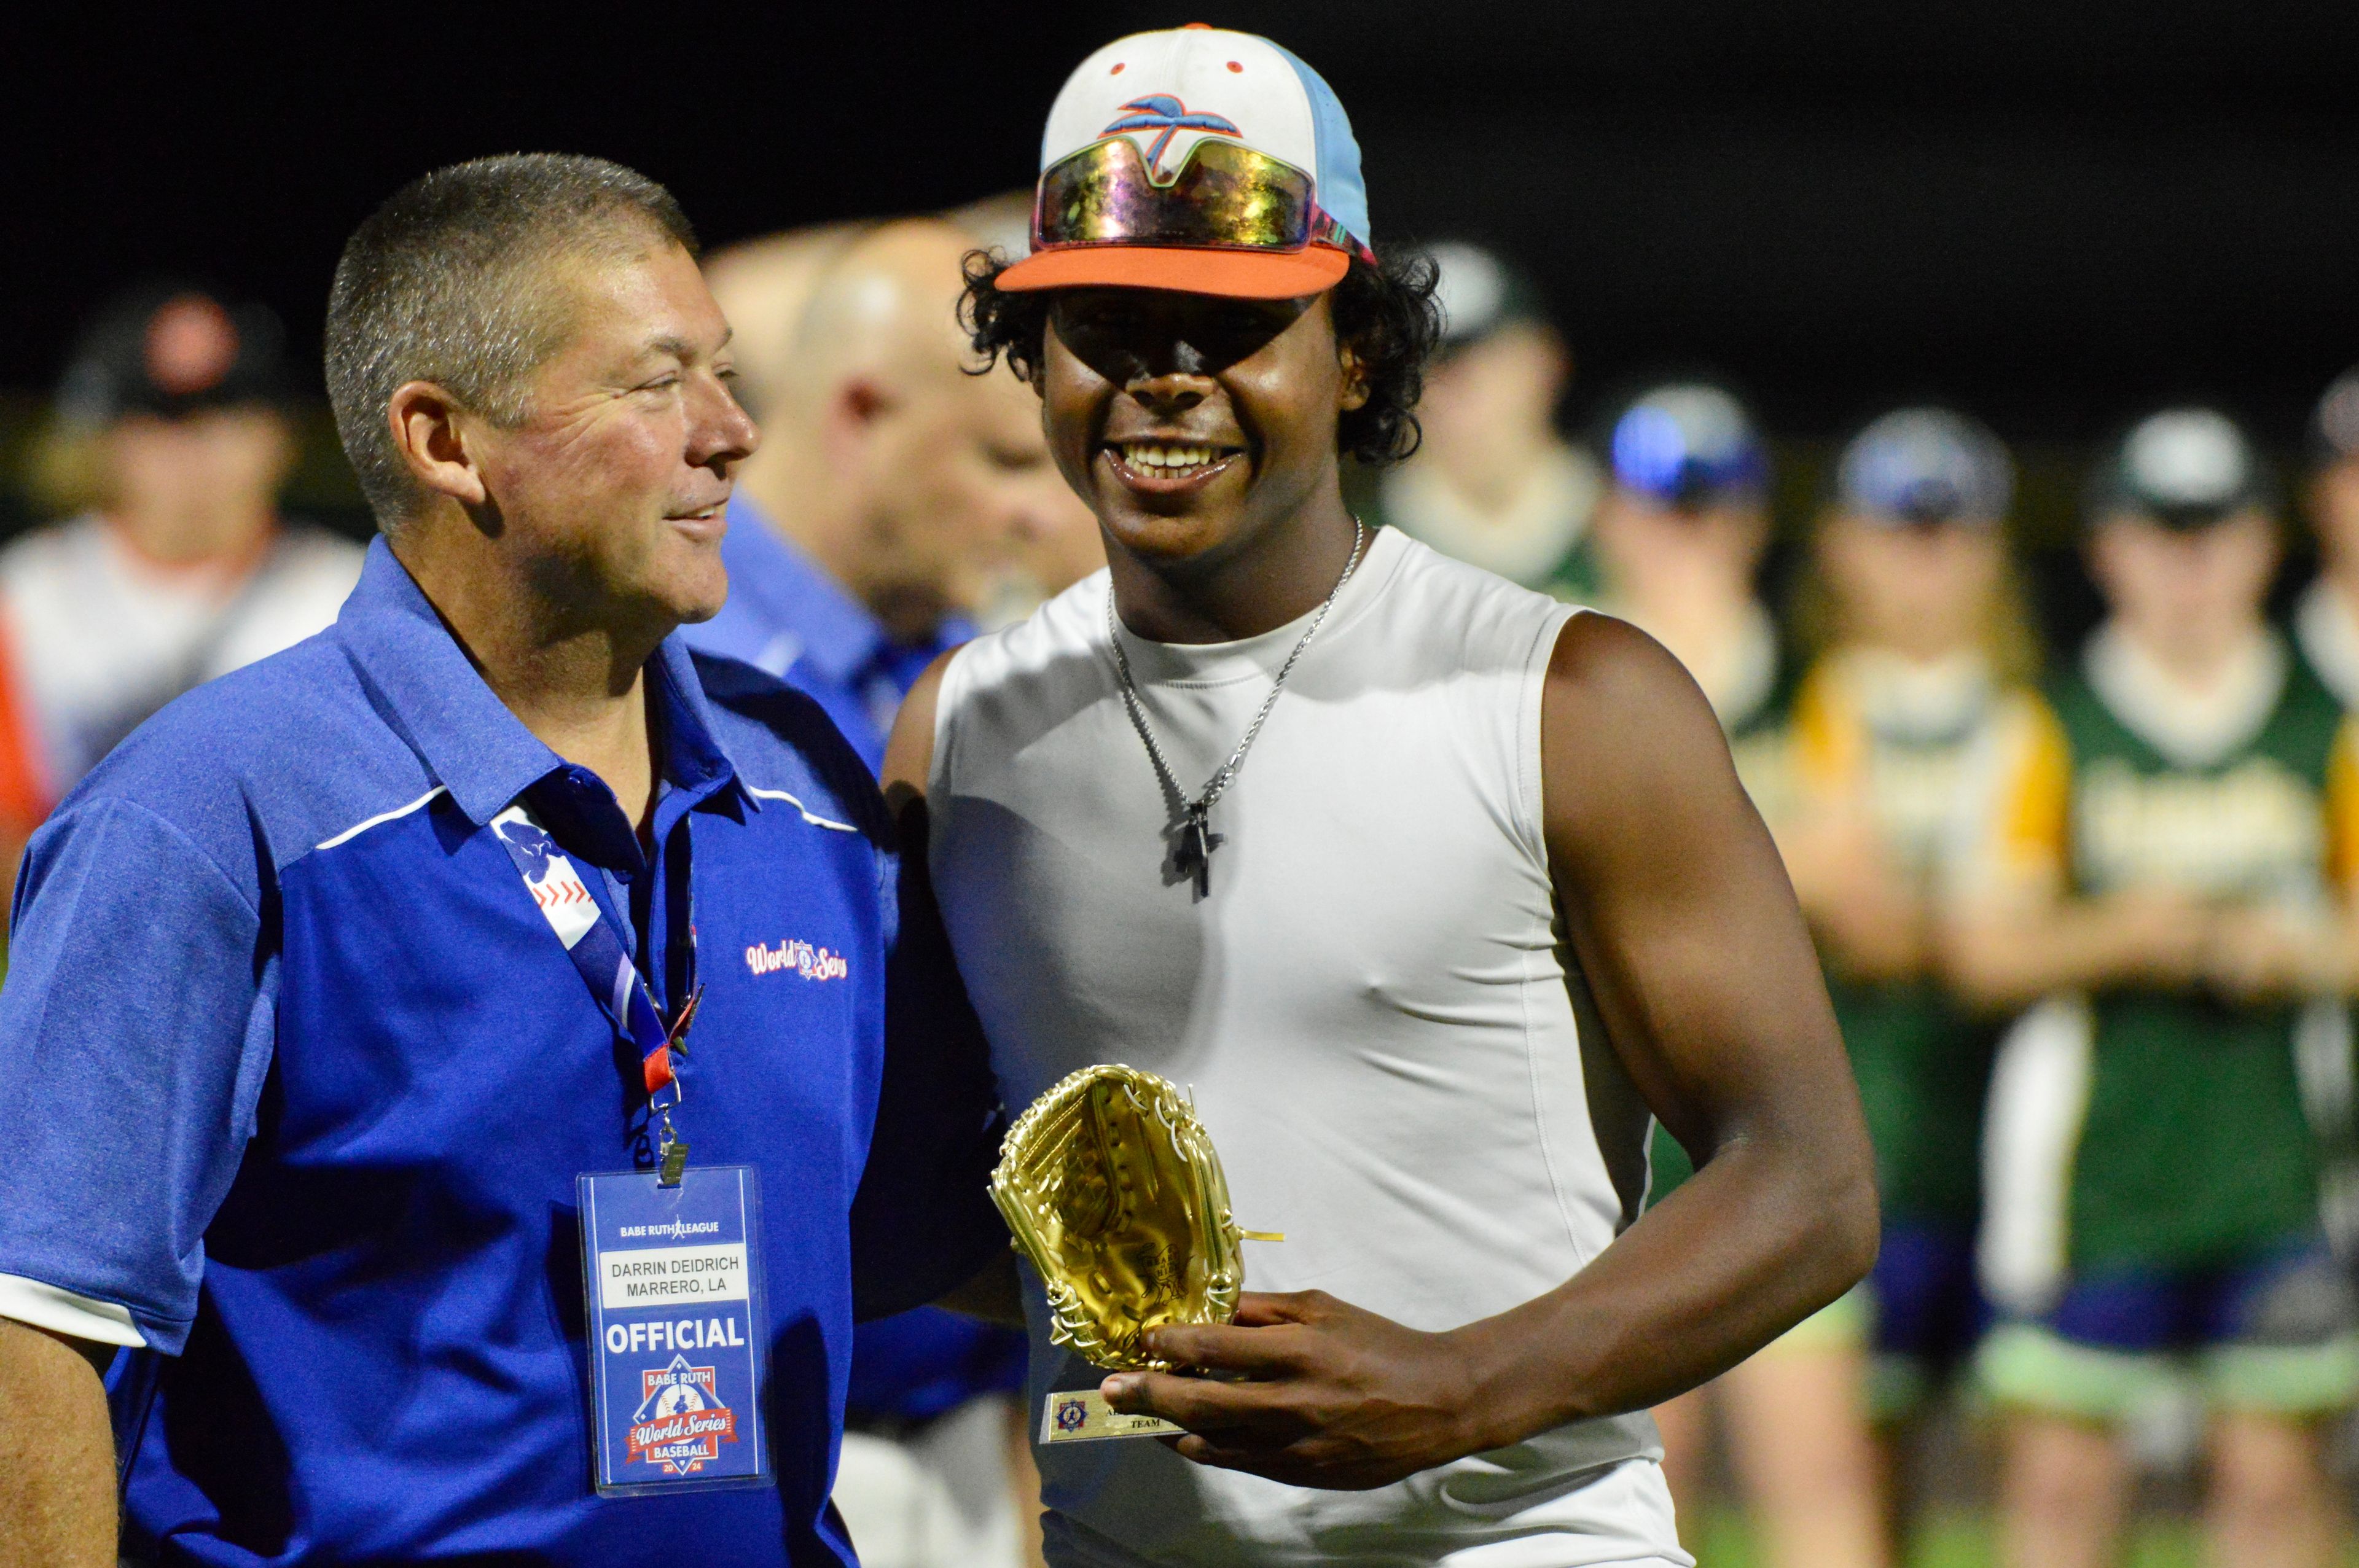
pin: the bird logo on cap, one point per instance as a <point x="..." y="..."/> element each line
<point x="1161" y="112"/>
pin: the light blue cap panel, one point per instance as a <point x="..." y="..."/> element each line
<point x="1685" y="443"/>
<point x="1925" y="465"/>
<point x="1342" y="190"/>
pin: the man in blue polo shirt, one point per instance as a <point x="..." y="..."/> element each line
<point x="892" y="489"/>
<point x="299" y="986"/>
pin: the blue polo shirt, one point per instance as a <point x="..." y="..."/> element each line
<point x="787" y="616"/>
<point x="314" y="1080"/>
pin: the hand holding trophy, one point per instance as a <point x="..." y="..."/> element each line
<point x="1113" y="1190"/>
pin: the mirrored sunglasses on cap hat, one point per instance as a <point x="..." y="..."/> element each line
<point x="1200" y="160"/>
<point x="1925" y="467"/>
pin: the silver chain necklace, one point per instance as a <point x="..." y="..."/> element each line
<point x="1193" y="856"/>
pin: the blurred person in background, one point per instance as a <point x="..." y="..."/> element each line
<point x="2163" y="848"/>
<point x="1000" y="224"/>
<point x="762" y="285"/>
<point x="1062" y="548"/>
<point x="1680" y="534"/>
<point x="1680" y="540"/>
<point x="183" y="569"/>
<point x="1911" y="604"/>
<point x="2326" y="622"/>
<point x="937" y="1468"/>
<point x="891" y="490"/>
<point x="1494" y="482"/>
<point x="1064" y="545"/>
<point x="888" y="497"/>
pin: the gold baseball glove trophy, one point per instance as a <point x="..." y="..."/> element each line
<point x="1113" y="1190"/>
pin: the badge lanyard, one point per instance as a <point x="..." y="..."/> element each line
<point x="672" y="1266"/>
<point x="597" y="951"/>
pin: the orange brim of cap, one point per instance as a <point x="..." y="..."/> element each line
<point x="1234" y="274"/>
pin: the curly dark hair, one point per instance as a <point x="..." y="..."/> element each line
<point x="1384" y="310"/>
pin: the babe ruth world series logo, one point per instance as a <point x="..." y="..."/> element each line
<point x="681" y="1424"/>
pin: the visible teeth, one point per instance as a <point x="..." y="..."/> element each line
<point x="1141" y="455"/>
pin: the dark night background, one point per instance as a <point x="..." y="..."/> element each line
<point x="2055" y="214"/>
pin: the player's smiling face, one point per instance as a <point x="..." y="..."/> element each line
<point x="1189" y="422"/>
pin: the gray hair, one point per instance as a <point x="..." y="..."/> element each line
<point x="448" y="282"/>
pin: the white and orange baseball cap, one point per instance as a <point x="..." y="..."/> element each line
<point x="1200" y="161"/>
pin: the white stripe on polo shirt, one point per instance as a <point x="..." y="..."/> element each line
<point x="357" y="829"/>
<point x="62" y="1311"/>
<point x="799" y="805"/>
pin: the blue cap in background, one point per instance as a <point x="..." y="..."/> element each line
<point x="1925" y="466"/>
<point x="1688" y="444"/>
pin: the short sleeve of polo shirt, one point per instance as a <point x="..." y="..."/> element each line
<point x="2012" y="836"/>
<point x="135" y="1026"/>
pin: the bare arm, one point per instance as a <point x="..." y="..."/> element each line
<point x="909" y="751"/>
<point x="1680" y="915"/>
<point x="57" y="1450"/>
<point x="1684" y="925"/>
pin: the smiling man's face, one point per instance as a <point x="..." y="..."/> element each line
<point x="1190" y="422"/>
<point x="616" y="479"/>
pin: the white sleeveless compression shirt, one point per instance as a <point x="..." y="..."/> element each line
<point x="1372" y="1006"/>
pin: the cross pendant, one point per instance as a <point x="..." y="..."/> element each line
<point x="1197" y="843"/>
